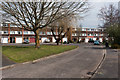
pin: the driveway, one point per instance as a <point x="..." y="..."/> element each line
<point x="72" y="64"/>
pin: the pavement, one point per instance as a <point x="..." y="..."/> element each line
<point x="72" y="64"/>
<point x="110" y="67"/>
<point x="6" y="61"/>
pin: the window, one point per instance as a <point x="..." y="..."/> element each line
<point x="96" y="29"/>
<point x="19" y="26"/>
<point x="40" y="32"/>
<point x="88" y="29"/>
<point x="19" y="32"/>
<point x="12" y="32"/>
<point x="101" y="34"/>
<point x="13" y="25"/>
<point x="83" y="29"/>
<point x="75" y="29"/>
<point x="73" y="34"/>
<point x="80" y="34"/>
<point x="31" y="32"/>
<point x="91" y="34"/>
<point x="5" y="25"/>
<point x="83" y="34"/>
<point x="43" y="33"/>
<point x="25" y="32"/>
<point x="49" y="33"/>
<point x="88" y="34"/>
<point x="26" y="39"/>
<point x="55" y="33"/>
<point x="92" y="29"/>
<point x="5" y="32"/>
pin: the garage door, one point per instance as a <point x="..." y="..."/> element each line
<point x="4" y="40"/>
<point x="64" y="39"/>
<point x="43" y="39"/>
<point x="32" y="40"/>
<point x="18" y="39"/>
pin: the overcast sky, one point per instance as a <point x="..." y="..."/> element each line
<point x="91" y="20"/>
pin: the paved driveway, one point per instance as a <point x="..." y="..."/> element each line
<point x="72" y="64"/>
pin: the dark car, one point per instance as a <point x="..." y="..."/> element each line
<point x="91" y="41"/>
<point x="26" y="41"/>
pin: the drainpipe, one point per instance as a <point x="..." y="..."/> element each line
<point x="22" y="34"/>
<point x="9" y="33"/>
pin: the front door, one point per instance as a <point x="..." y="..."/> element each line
<point x="12" y="39"/>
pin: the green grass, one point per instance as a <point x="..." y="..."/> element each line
<point x="29" y="53"/>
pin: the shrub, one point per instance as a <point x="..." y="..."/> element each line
<point x="115" y="46"/>
<point x="70" y="41"/>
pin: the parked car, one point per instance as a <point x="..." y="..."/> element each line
<point x="47" y="41"/>
<point x="91" y="41"/>
<point x="26" y="41"/>
<point x="97" y="42"/>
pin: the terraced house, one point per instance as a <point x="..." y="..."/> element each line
<point x="16" y="34"/>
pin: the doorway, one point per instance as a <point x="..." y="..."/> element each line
<point x="12" y="39"/>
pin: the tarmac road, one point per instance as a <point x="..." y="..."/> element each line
<point x="6" y="61"/>
<point x="110" y="67"/>
<point x="72" y="64"/>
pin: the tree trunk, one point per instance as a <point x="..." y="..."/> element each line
<point x="37" y="43"/>
<point x="78" y="40"/>
<point x="57" y="42"/>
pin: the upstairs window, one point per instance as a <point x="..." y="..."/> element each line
<point x="19" y="32"/>
<point x="12" y="32"/>
<point x="25" y="32"/>
<point x="83" y="29"/>
<point x="48" y="33"/>
<point x="43" y="33"/>
<point x="31" y="32"/>
<point x="40" y="32"/>
<point x="4" y="24"/>
<point x="92" y="29"/>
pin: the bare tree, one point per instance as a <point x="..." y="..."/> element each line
<point x="61" y="27"/>
<point x="109" y="15"/>
<point x="110" y="18"/>
<point x="69" y="34"/>
<point x="78" y="32"/>
<point x="37" y="15"/>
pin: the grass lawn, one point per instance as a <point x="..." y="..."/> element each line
<point x="29" y="53"/>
